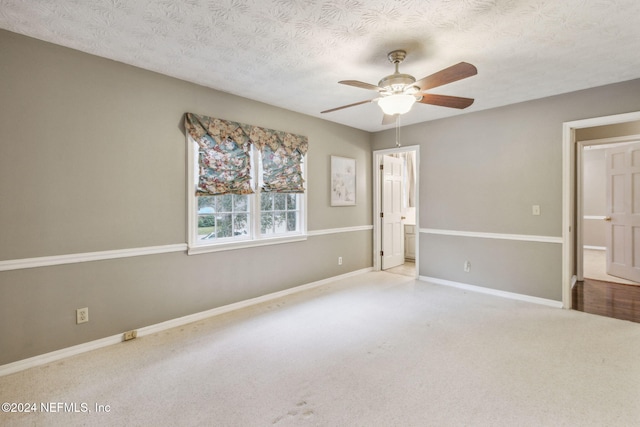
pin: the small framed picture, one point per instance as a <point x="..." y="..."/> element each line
<point x="343" y="181"/>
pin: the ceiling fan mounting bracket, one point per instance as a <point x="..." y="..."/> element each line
<point x="397" y="56"/>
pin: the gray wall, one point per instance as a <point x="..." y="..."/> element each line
<point x="93" y="158"/>
<point x="594" y="199"/>
<point x="608" y="131"/>
<point x="483" y="171"/>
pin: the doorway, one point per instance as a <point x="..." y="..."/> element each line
<point x="572" y="256"/>
<point x="395" y="210"/>
<point x="608" y="207"/>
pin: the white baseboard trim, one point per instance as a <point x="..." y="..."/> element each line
<point x="495" y="292"/>
<point x="54" y="356"/>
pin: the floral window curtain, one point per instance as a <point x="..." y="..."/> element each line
<point x="223" y="155"/>
<point x="281" y="159"/>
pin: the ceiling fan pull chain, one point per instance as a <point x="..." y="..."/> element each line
<point x="398" y="131"/>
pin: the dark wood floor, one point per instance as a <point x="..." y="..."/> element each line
<point x="607" y="299"/>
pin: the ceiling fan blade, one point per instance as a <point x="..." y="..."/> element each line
<point x="359" y="84"/>
<point x="448" y="75"/>
<point x="446" y="101"/>
<point x="388" y="119"/>
<point x="346" y="106"/>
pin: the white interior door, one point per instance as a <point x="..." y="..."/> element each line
<point x="623" y="207"/>
<point x="392" y="227"/>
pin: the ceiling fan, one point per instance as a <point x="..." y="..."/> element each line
<point x="398" y="92"/>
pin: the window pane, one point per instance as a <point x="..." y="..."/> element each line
<point x="266" y="223"/>
<point x="292" y="221"/>
<point x="241" y="225"/>
<point x="206" y="226"/>
<point x="280" y="202"/>
<point x="206" y="204"/>
<point x="266" y="201"/>
<point x="280" y="219"/>
<point x="223" y="226"/>
<point x="292" y="200"/>
<point x="223" y="203"/>
<point x="240" y="203"/>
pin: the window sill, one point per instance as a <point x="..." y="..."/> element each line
<point x="217" y="247"/>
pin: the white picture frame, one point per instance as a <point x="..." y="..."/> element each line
<point x="343" y="181"/>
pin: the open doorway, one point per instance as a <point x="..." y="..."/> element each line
<point x="395" y="210"/>
<point x="573" y="257"/>
<point x="608" y="211"/>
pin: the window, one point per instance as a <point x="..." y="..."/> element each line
<point x="245" y="185"/>
<point x="279" y="213"/>
<point x="222" y="217"/>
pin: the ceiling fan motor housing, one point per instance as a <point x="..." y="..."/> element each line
<point x="397" y="83"/>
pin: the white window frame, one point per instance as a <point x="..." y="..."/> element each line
<point x="197" y="247"/>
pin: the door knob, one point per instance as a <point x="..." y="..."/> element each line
<point x="403" y="217"/>
<point x="607" y="218"/>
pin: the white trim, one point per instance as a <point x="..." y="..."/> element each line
<point x="595" y="248"/>
<point x="377" y="203"/>
<point x="603" y="143"/>
<point x="569" y="169"/>
<point x="17" y="264"/>
<point x="494" y="292"/>
<point x="53" y="356"/>
<point x="243" y="244"/>
<point x="340" y="230"/>
<point x="483" y="235"/>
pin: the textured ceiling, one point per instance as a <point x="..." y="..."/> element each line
<point x="292" y="53"/>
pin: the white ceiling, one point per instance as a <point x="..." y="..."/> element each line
<point x="292" y="53"/>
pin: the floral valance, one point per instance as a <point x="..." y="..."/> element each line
<point x="276" y="139"/>
<point x="224" y="156"/>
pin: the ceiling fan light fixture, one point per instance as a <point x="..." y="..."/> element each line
<point x="396" y="104"/>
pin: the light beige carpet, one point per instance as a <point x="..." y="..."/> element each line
<point x="377" y="349"/>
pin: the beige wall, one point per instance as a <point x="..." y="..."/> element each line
<point x="482" y="172"/>
<point x="594" y="196"/>
<point x="93" y="158"/>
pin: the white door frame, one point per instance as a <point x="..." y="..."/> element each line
<point x="605" y="143"/>
<point x="377" y="202"/>
<point x="571" y="235"/>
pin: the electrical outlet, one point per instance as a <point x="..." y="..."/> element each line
<point x="129" y="335"/>
<point x="535" y="210"/>
<point x="467" y="266"/>
<point x="339" y="260"/>
<point x="82" y="315"/>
